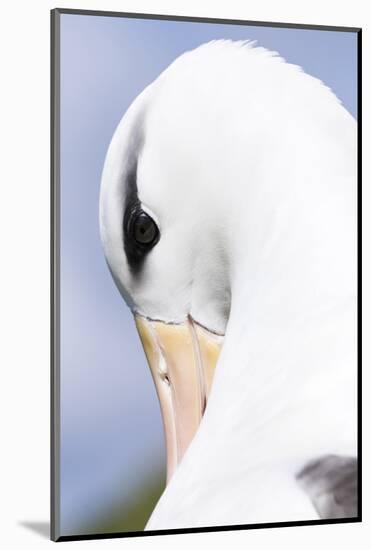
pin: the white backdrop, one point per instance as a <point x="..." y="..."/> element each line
<point x="24" y="288"/>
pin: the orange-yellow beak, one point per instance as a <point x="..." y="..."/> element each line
<point x="182" y="359"/>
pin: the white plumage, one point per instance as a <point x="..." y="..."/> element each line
<point x="248" y="167"/>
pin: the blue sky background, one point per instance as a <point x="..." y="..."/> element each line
<point x="111" y="432"/>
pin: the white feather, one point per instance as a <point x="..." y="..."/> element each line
<point x="249" y="164"/>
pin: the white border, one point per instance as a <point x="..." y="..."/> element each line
<point x="24" y="246"/>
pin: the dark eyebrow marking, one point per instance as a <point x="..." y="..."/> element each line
<point x="134" y="254"/>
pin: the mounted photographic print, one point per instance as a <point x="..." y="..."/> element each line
<point x="205" y="206"/>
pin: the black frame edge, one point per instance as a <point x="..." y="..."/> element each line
<point x="127" y="534"/>
<point x="359" y="268"/>
<point x="199" y="19"/>
<point x="54" y="275"/>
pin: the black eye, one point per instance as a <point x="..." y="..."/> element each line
<point x="144" y="229"/>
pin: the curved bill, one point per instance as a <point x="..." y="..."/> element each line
<point x="182" y="359"/>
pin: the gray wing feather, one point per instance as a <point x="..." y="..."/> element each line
<point x="331" y="483"/>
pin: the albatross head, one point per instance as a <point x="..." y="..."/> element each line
<point x="198" y="188"/>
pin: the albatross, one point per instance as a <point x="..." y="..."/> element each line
<point x="228" y="222"/>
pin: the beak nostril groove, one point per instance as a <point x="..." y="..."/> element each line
<point x="165" y="378"/>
